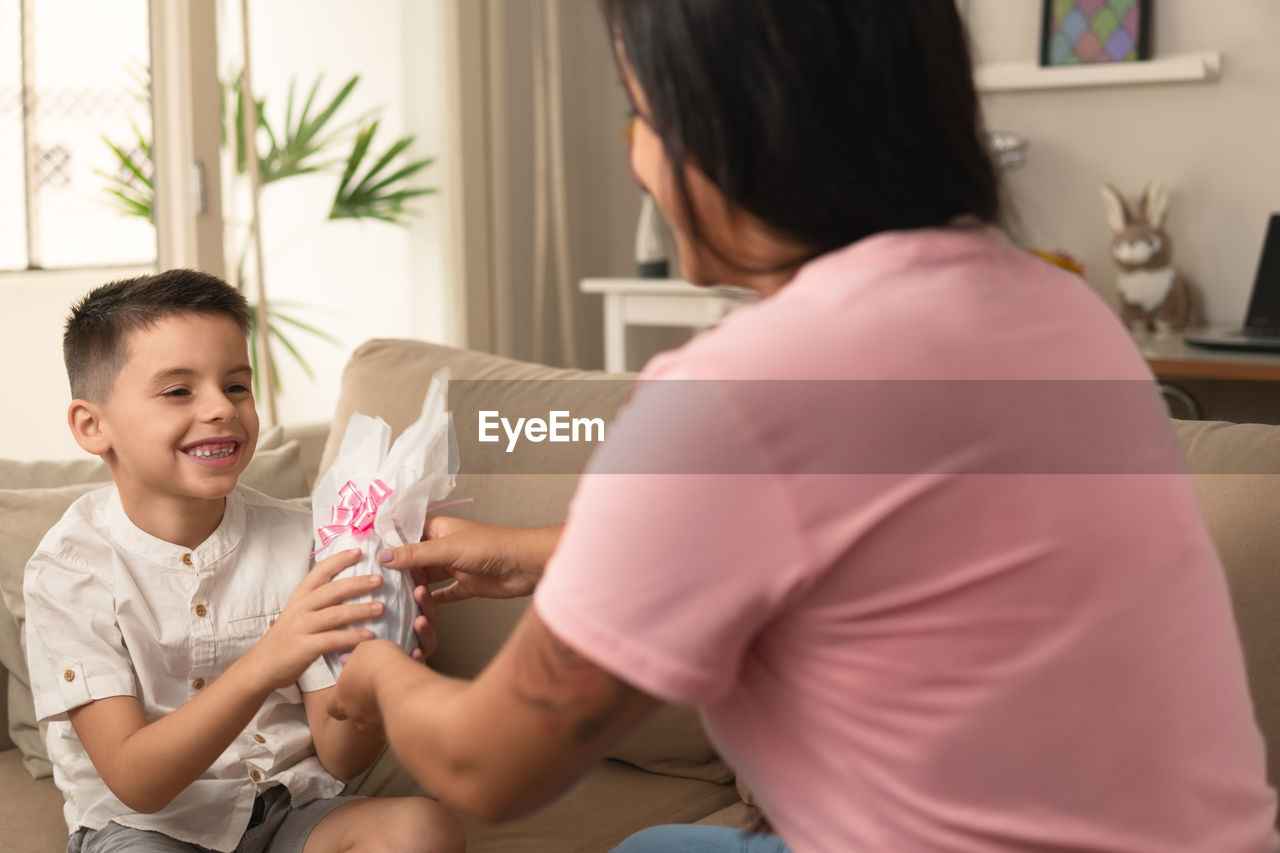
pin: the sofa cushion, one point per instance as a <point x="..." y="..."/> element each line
<point x="31" y="818"/>
<point x="27" y="514"/>
<point x="612" y="801"/>
<point x="672" y="742"/>
<point x="1235" y="469"/>
<point x="388" y="379"/>
<point x="44" y="473"/>
<point x="20" y="474"/>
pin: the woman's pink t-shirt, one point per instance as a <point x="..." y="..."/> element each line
<point x="914" y="535"/>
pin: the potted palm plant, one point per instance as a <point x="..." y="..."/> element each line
<point x="313" y="138"/>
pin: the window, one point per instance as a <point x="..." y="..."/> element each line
<point x="74" y="82"/>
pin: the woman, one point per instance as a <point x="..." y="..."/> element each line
<point x="900" y="545"/>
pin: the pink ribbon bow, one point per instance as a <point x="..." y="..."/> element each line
<point x="354" y="512"/>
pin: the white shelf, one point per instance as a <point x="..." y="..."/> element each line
<point x="1019" y="76"/>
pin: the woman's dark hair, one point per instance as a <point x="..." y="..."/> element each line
<point x="828" y="120"/>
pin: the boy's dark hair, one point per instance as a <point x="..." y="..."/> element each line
<point x="828" y="120"/>
<point x="94" y="344"/>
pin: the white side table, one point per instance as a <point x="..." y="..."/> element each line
<point x="657" y="302"/>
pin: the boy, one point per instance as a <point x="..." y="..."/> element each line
<point x="173" y="630"/>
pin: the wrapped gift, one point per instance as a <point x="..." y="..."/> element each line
<point x="376" y="494"/>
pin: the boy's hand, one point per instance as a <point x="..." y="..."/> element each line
<point x="313" y="621"/>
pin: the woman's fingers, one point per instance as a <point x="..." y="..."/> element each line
<point x="430" y="561"/>
<point x="438" y="526"/>
<point x="423" y="624"/>
<point x="426" y="638"/>
<point x="427" y="604"/>
<point x="419" y="576"/>
<point x="451" y="593"/>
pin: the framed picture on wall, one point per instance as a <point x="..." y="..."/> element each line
<point x="1074" y="32"/>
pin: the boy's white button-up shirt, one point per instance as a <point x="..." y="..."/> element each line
<point x="114" y="611"/>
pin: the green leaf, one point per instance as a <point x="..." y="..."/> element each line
<point x="308" y="142"/>
<point x="406" y="172"/>
<point x="276" y="334"/>
<point x="374" y="195"/>
<point x="132" y="193"/>
<point x="128" y="206"/>
<point x="306" y="327"/>
<point x="288" y="104"/>
<point x="127" y="161"/>
<point x="385" y="159"/>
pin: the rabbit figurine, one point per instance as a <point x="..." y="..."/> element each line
<point x="1154" y="296"/>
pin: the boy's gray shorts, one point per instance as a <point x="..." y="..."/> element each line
<point x="276" y="827"/>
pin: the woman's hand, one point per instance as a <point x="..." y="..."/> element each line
<point x="424" y="624"/>
<point x="314" y="621"/>
<point x="354" y="697"/>
<point x="481" y="559"/>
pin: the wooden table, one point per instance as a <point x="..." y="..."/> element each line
<point x="1171" y="357"/>
<point x="657" y="302"/>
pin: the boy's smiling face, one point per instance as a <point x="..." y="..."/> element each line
<point x="179" y="424"/>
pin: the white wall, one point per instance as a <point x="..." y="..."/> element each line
<point x="34" y="422"/>
<point x="1215" y="144"/>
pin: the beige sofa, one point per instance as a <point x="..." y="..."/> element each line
<point x="667" y="771"/>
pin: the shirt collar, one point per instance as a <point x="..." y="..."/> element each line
<point x="141" y="544"/>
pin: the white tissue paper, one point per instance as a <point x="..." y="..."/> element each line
<point x="396" y="484"/>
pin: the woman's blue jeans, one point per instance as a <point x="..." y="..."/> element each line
<point x="696" y="838"/>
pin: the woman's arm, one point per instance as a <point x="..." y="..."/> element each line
<point x="506" y="743"/>
<point x="344" y="749"/>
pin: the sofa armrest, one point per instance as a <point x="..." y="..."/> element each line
<point x="1235" y="469"/>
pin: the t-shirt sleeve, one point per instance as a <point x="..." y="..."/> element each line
<point x="75" y="652"/>
<point x="680" y="546"/>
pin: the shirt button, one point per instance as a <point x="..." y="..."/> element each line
<point x="259" y="738"/>
<point x="200" y="610"/>
<point x="69" y="675"/>
<point x="186" y="559"/>
<point x="255" y="775"/>
<point x="198" y="684"/>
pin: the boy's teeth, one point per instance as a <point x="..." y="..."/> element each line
<point x="212" y="451"/>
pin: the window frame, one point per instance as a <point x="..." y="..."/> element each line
<point x="187" y="128"/>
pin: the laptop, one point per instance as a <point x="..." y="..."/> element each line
<point x="1261" y="330"/>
